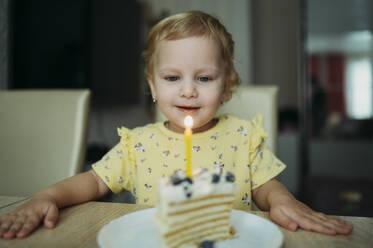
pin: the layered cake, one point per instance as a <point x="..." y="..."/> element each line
<point x="195" y="211"/>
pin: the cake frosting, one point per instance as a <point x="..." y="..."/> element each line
<point x="193" y="210"/>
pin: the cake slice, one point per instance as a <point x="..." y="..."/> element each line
<point x="193" y="210"/>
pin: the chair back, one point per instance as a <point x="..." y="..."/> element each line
<point x="42" y="138"/>
<point x="245" y="103"/>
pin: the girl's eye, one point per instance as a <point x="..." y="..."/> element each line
<point x="172" y="78"/>
<point x="204" y="79"/>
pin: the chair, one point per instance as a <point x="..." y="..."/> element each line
<point x="245" y="103"/>
<point x="42" y="138"/>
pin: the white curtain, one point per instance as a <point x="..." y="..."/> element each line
<point x="235" y="15"/>
<point x="359" y="87"/>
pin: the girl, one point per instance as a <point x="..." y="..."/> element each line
<point x="190" y="70"/>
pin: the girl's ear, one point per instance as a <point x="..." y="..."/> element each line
<point x="151" y="85"/>
<point x="225" y="96"/>
<point x="223" y="99"/>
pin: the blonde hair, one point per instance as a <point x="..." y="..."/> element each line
<point x="189" y="24"/>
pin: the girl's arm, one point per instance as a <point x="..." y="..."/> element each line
<point x="290" y="213"/>
<point x="44" y="205"/>
<point x="80" y="188"/>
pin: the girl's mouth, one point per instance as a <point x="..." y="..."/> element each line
<point x="188" y="109"/>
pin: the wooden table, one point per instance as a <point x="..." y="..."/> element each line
<point x="78" y="227"/>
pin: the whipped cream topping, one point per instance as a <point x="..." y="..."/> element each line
<point x="179" y="188"/>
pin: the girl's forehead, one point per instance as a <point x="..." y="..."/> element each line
<point x="189" y="40"/>
<point x="192" y="48"/>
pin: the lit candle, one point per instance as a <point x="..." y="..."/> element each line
<point x="188" y="122"/>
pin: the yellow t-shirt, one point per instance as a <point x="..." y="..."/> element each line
<point x="146" y="154"/>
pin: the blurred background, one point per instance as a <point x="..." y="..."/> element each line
<point x="318" y="52"/>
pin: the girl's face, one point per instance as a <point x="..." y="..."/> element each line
<point x="188" y="79"/>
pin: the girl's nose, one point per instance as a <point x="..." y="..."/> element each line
<point x="188" y="89"/>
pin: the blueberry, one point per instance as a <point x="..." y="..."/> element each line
<point x="215" y="178"/>
<point x="189" y="180"/>
<point x="229" y="177"/>
<point x="176" y="180"/>
<point x="207" y="244"/>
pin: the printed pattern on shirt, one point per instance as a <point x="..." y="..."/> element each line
<point x="146" y="154"/>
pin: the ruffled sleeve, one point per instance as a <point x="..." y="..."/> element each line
<point x="126" y="142"/>
<point x="264" y="165"/>
<point x="257" y="136"/>
<point x="116" y="168"/>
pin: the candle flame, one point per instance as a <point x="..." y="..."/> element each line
<point x="188" y="122"/>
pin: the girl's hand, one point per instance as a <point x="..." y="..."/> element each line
<point x="26" y="218"/>
<point x="43" y="207"/>
<point x="291" y="214"/>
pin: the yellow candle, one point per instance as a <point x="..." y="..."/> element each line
<point x="188" y="122"/>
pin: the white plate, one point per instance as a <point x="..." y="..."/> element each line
<point x="137" y="229"/>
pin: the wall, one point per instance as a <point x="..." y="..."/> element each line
<point x="277" y="47"/>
